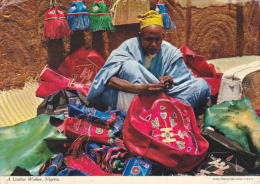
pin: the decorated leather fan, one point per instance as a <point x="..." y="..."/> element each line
<point x="55" y="25"/>
<point x="78" y="16"/>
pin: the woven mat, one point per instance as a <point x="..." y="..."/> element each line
<point x="19" y="105"/>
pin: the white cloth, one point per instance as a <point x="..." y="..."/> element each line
<point x="148" y="60"/>
<point x="124" y="100"/>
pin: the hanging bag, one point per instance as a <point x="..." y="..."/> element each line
<point x="78" y="16"/>
<point x="100" y="17"/>
<point x="55" y="25"/>
<point x="161" y="9"/>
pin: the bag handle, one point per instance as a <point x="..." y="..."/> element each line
<point x="53" y="3"/>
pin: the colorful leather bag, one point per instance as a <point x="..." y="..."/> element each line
<point x="55" y="25"/>
<point x="52" y="81"/>
<point x="85" y="164"/>
<point x="114" y="119"/>
<point x="109" y="158"/>
<point x="78" y="16"/>
<point x="200" y="68"/>
<point x="88" y="131"/>
<point x="91" y="114"/>
<point x="137" y="167"/>
<point x="82" y="65"/>
<point x="164" y="130"/>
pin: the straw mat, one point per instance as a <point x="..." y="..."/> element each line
<point x="19" y="105"/>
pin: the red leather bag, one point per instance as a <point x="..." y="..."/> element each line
<point x="82" y="65"/>
<point x="85" y="164"/>
<point x="93" y="132"/>
<point x="164" y="130"/>
<point x="200" y="68"/>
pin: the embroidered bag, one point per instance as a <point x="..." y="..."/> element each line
<point x="164" y="130"/>
<point x="109" y="158"/>
<point x="55" y="25"/>
<point x="91" y="114"/>
<point x="85" y="164"/>
<point x="137" y="167"/>
<point x="87" y="131"/>
<point x="200" y="68"/>
<point x="82" y="65"/>
<point x="78" y="16"/>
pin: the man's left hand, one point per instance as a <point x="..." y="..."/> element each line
<point x="167" y="82"/>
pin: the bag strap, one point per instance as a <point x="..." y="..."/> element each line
<point x="53" y="3"/>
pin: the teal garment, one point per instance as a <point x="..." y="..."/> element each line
<point x="127" y="62"/>
<point x="238" y="121"/>
<point x="29" y="144"/>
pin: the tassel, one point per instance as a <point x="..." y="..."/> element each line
<point x="76" y="146"/>
<point x="100" y="17"/>
<point x="78" y="16"/>
<point x="167" y="22"/>
<point x="56" y="25"/>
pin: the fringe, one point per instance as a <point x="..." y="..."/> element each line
<point x="79" y="22"/>
<point x="167" y="22"/>
<point x="76" y="146"/>
<point x="56" y="28"/>
<point x="101" y="23"/>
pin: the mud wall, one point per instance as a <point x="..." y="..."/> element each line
<point x="222" y="31"/>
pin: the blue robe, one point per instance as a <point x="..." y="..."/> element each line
<point x="127" y="62"/>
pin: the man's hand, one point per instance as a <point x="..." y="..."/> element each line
<point x="124" y="85"/>
<point x="150" y="89"/>
<point x="166" y="81"/>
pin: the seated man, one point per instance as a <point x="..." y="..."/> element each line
<point x="147" y="65"/>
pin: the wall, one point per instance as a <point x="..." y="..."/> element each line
<point x="214" y="31"/>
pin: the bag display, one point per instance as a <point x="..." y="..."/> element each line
<point x="164" y="123"/>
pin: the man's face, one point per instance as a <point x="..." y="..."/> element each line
<point x="151" y="39"/>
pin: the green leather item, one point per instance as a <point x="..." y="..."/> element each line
<point x="29" y="144"/>
<point x="238" y="121"/>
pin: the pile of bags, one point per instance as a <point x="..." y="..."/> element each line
<point x="158" y="136"/>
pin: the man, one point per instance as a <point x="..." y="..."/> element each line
<point x="147" y="65"/>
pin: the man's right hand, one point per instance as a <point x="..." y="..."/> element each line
<point x="150" y="89"/>
<point x="124" y="85"/>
